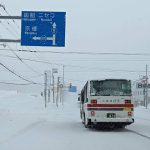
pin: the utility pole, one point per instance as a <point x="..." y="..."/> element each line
<point x="63" y="89"/>
<point x="49" y="94"/>
<point x="53" y="87"/>
<point x="54" y="70"/>
<point x="146" y="88"/>
<point x="58" y="81"/>
<point x="60" y="94"/>
<point x="45" y="89"/>
<point x="63" y="75"/>
<point x="49" y="85"/>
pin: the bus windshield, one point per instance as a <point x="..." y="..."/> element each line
<point x="110" y="88"/>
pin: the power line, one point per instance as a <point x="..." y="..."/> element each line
<point x="4" y="8"/>
<point x="95" y="53"/>
<point x="105" y="70"/>
<point x="83" y="67"/>
<point x="17" y="74"/>
<point x="33" y="60"/>
<point x="19" y="58"/>
<point x="101" y="60"/>
<point x="86" y="59"/>
<point x="13" y="22"/>
<point x="19" y="50"/>
<point x="10" y="83"/>
<point x="8" y="28"/>
<point x="15" y="83"/>
<point x="78" y="52"/>
<point x="29" y="67"/>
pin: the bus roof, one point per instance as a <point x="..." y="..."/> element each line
<point x="108" y="79"/>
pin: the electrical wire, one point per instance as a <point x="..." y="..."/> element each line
<point x="78" y="52"/>
<point x="32" y="60"/>
<point x="19" y="58"/>
<point x="103" y="70"/>
<point x="4" y="8"/>
<point x="83" y="67"/>
<point x="17" y="74"/>
<point x="15" y="83"/>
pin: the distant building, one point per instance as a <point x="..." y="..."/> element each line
<point x="138" y="93"/>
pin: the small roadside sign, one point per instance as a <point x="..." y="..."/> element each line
<point x="54" y="70"/>
<point x="73" y="89"/>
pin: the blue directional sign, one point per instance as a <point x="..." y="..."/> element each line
<point x="43" y="28"/>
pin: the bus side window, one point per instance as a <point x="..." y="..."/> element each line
<point x="86" y="99"/>
<point x="82" y="97"/>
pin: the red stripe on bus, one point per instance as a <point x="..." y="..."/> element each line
<point x="109" y="105"/>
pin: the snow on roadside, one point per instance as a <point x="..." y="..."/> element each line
<point x="142" y="121"/>
<point x="20" y="112"/>
<point x="17" y="112"/>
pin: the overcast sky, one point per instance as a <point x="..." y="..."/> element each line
<point x="119" y="26"/>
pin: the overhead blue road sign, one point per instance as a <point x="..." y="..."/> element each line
<point x="73" y="89"/>
<point x="43" y="29"/>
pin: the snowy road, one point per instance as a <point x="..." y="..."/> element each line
<point x="61" y="129"/>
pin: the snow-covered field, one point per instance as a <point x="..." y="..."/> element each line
<point x="26" y="125"/>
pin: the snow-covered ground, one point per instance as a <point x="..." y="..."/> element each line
<point x="26" y="125"/>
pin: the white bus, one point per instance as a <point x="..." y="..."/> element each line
<point x="106" y="103"/>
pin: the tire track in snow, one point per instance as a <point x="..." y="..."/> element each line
<point x="143" y="118"/>
<point x="140" y="134"/>
<point x="22" y="131"/>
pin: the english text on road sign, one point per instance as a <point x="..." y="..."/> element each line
<point x="43" y="28"/>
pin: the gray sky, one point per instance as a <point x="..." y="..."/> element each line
<point x="91" y="26"/>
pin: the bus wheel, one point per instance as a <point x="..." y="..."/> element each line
<point x="111" y="126"/>
<point x="86" y="123"/>
<point x="80" y="115"/>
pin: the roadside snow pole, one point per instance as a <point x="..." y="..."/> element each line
<point x="49" y="84"/>
<point x="45" y="88"/>
<point x="53" y="87"/>
<point x="146" y="89"/>
<point x="54" y="70"/>
<point x="58" y="80"/>
<point x="61" y="92"/>
<point x="49" y="94"/>
<point x="63" y="88"/>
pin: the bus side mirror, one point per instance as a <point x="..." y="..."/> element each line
<point x="86" y="99"/>
<point x="82" y="101"/>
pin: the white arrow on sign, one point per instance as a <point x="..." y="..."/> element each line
<point x="42" y="38"/>
<point x="54" y="33"/>
<point x="54" y="25"/>
<point x="48" y="38"/>
<point x="36" y="38"/>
